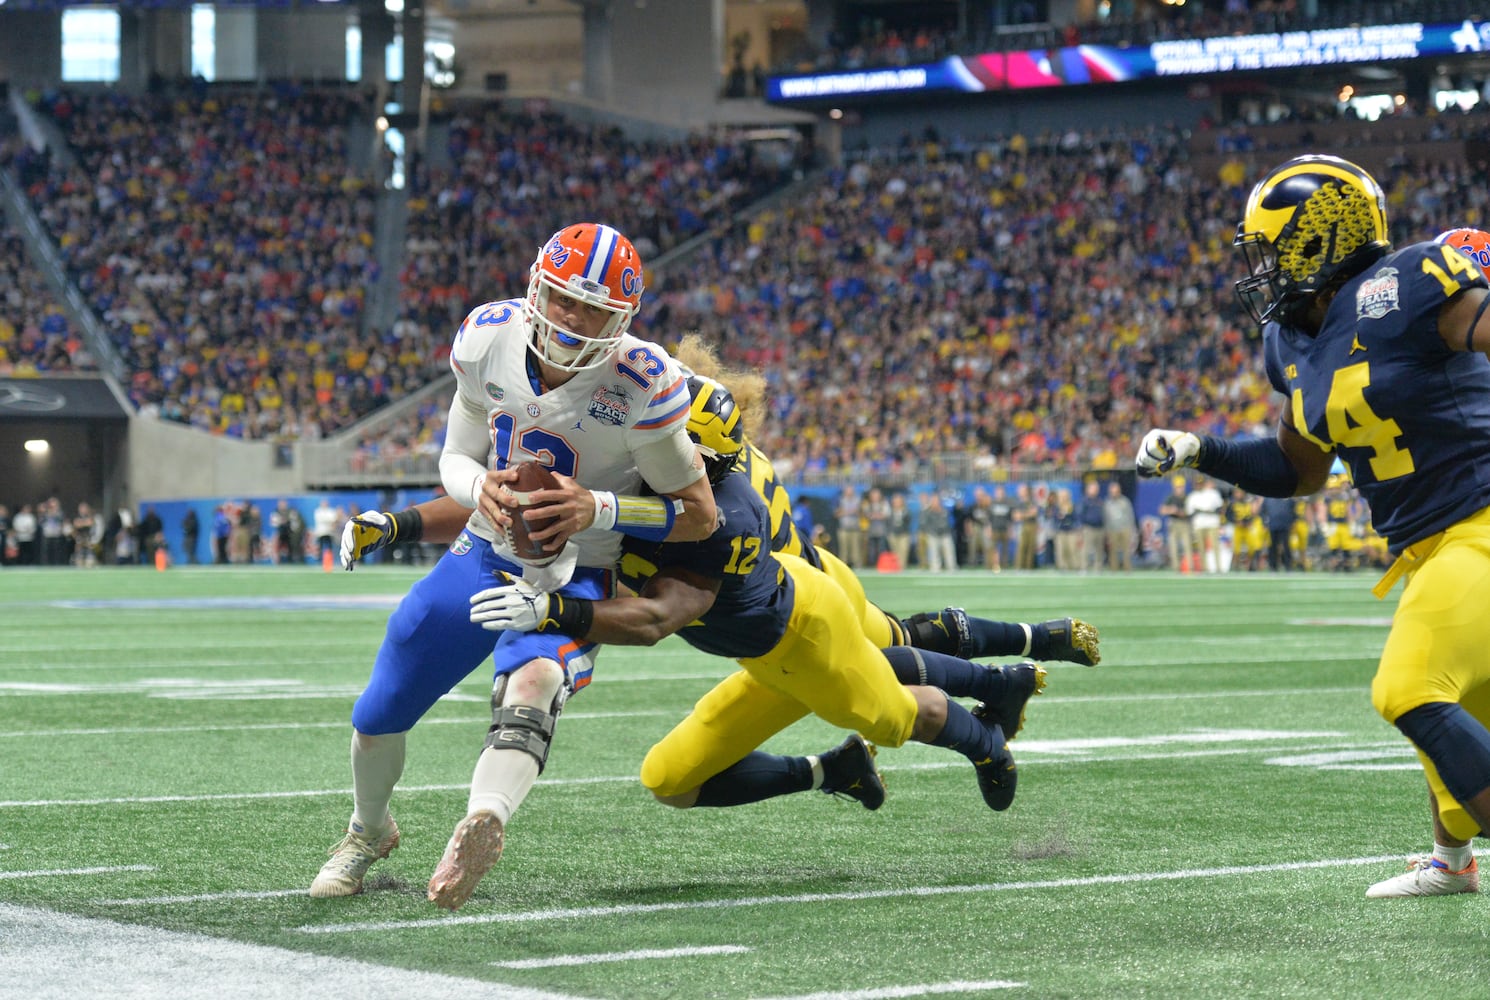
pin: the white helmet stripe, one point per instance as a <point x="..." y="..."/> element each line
<point x="598" y="262"/>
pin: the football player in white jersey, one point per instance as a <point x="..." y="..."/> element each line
<point x="553" y="377"/>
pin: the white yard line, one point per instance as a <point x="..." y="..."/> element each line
<point x="57" y="956"/>
<point x="102" y="870"/>
<point x="271" y="726"/>
<point x="923" y="990"/>
<point x="1057" y="754"/>
<point x="557" y="961"/>
<point x="921" y="892"/>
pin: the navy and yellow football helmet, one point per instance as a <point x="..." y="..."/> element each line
<point x="714" y="425"/>
<point x="1310" y="224"/>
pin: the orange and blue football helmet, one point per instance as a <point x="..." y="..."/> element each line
<point x="1472" y="243"/>
<point x="1310" y="224"/>
<point x="597" y="266"/>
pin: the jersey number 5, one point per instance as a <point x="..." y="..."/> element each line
<point x="1352" y="423"/>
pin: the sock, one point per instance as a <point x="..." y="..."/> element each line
<point x="968" y="736"/>
<point x="985" y="638"/>
<point x="503" y="778"/>
<point x="759" y="776"/>
<point x="1457" y="744"/>
<point x="1456" y="858"/>
<point x="999" y="638"/>
<point x="377" y="764"/>
<point x="815" y="764"/>
<point x="957" y="677"/>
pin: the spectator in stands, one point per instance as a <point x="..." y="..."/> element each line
<point x="326" y="524"/>
<point x="850" y="534"/>
<point x="934" y="529"/>
<point x="191" y="532"/>
<point x="149" y="536"/>
<point x="1090" y="515"/>
<point x="1027" y="521"/>
<point x="876" y="514"/>
<point x="23" y="529"/>
<point x="1067" y="532"/>
<point x="1204" y="505"/>
<point x="86" y="532"/>
<point x="1179" y="539"/>
<point x="1279" y="515"/>
<point x="56" y="549"/>
<point x="222" y="533"/>
<point x="1119" y="528"/>
<point x="899" y="529"/>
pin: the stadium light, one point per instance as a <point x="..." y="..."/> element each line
<point x="38" y="446"/>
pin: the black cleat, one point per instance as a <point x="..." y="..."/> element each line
<point x="1022" y="681"/>
<point x="1069" y="639"/>
<point x="848" y="769"/>
<point x="997" y="775"/>
<point x="946" y="631"/>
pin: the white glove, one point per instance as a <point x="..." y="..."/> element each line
<point x="515" y="605"/>
<point x="1161" y="451"/>
<point x="363" y="533"/>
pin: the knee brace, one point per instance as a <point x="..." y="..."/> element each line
<point x="522" y="726"/>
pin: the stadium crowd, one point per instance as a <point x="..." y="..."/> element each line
<point x="35" y="336"/>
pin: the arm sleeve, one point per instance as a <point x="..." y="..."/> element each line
<point x="1258" y="466"/>
<point x="666" y="464"/>
<point x="467" y="450"/>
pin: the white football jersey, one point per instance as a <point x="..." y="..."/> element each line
<point x="587" y="428"/>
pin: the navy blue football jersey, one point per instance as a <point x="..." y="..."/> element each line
<point x="754" y="604"/>
<point x="1409" y="417"/>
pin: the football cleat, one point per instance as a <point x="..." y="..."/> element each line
<point x="1022" y="681"/>
<point x="473" y="849"/>
<point x="1068" y="639"/>
<point x="848" y="769"/>
<point x="997" y="775"/>
<point x="1428" y="877"/>
<point x="946" y="631"/>
<point x="350" y="860"/>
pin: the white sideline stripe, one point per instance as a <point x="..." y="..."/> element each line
<point x="1087" y="699"/>
<point x="544" y="916"/>
<point x="1046" y="701"/>
<point x="893" y="992"/>
<point x="103" y="870"/>
<point x="621" y="956"/>
<point x="58" y="956"/>
<point x="207" y="897"/>
<point x="305" y="794"/>
<point x="213" y="897"/>
<point x="1056" y="758"/>
<point x="263" y="726"/>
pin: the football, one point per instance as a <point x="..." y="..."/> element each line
<point x="531" y="476"/>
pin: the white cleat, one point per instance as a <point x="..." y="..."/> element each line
<point x="1427" y="877"/>
<point x="473" y="849"/>
<point x="350" y="860"/>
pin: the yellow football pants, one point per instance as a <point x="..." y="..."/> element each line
<point x="824" y="665"/>
<point x="1439" y="647"/>
<point x="880" y="627"/>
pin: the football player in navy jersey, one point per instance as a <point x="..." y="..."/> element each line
<point x="951" y="630"/>
<point x="800" y="646"/>
<point x="1380" y="355"/>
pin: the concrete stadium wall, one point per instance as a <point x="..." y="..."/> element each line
<point x="169" y="461"/>
<point x="30" y="46"/>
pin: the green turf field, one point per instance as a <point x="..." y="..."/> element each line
<point x="1197" y="817"/>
